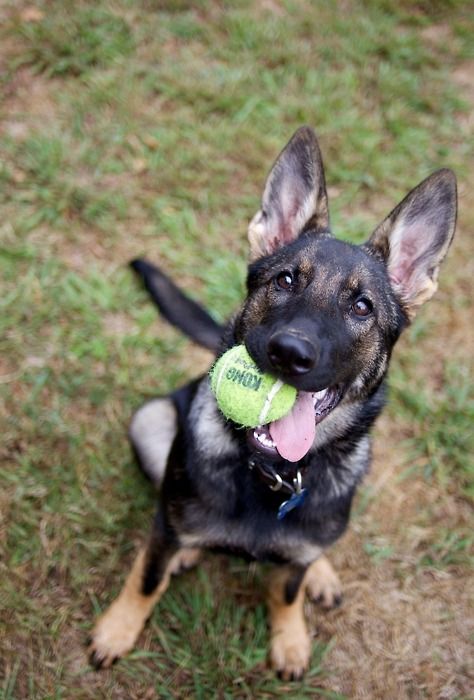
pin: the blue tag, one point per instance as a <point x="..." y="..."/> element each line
<point x="293" y="502"/>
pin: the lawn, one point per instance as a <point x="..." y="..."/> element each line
<point x="146" y="127"/>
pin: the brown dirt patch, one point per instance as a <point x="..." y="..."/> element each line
<point x="27" y="101"/>
<point x="463" y="76"/>
<point x="402" y="631"/>
<point x="437" y="34"/>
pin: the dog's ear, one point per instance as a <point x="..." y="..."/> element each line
<point x="415" y="237"/>
<point x="294" y="198"/>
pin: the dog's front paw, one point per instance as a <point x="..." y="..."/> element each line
<point x="184" y="560"/>
<point x="323" y="585"/>
<point x="289" y="653"/>
<point x="112" y="637"/>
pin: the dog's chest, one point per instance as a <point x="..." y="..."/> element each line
<point x="255" y="537"/>
<point x="232" y="510"/>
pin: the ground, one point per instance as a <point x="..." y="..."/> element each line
<point x="147" y="126"/>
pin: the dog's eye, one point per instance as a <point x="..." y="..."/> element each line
<point x="362" y="307"/>
<point x="284" y="279"/>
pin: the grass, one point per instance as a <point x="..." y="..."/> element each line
<point x="148" y="127"/>
<point x="61" y="44"/>
<point x="443" y="422"/>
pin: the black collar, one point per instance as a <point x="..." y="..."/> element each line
<point x="283" y="476"/>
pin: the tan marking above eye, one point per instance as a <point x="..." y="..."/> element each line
<point x="305" y="267"/>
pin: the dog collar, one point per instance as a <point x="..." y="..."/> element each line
<point x="291" y="483"/>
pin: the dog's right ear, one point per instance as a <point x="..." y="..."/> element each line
<point x="294" y="198"/>
<point x="414" y="238"/>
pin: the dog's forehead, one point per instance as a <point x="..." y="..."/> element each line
<point x="328" y="264"/>
<point x="329" y="260"/>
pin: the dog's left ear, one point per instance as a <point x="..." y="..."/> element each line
<point x="294" y="198"/>
<point x="415" y="237"/>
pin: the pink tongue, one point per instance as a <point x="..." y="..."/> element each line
<point x="293" y="434"/>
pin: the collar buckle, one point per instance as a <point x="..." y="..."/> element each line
<point x="290" y="483"/>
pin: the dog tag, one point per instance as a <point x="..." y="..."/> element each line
<point x="293" y="502"/>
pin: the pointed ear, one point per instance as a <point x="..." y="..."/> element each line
<point x="294" y="197"/>
<point x="415" y="237"/>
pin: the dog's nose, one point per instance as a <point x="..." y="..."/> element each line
<point x="291" y="354"/>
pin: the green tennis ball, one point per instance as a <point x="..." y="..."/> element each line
<point x="247" y="395"/>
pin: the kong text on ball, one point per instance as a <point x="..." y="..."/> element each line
<point x="245" y="394"/>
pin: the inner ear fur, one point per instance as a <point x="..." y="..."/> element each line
<point x="294" y="198"/>
<point x="415" y="237"/>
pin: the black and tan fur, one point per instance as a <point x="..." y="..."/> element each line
<point x="319" y="313"/>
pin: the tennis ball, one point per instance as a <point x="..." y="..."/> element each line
<point x="247" y="395"/>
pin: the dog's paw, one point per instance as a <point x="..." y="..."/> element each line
<point x="289" y="654"/>
<point x="184" y="560"/>
<point x="112" y="637"/>
<point x="323" y="585"/>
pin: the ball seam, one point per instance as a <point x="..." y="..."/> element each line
<point x="221" y="374"/>
<point x="268" y="401"/>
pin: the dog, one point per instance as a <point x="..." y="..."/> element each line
<point x="321" y="315"/>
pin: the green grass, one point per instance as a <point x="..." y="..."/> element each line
<point x="71" y="44"/>
<point x="443" y="425"/>
<point x="147" y="128"/>
<point x="232" y="660"/>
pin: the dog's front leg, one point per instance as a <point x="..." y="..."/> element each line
<point x="322" y="584"/>
<point x="289" y="643"/>
<point x="117" y="630"/>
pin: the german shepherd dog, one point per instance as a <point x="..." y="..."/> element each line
<point x="323" y="316"/>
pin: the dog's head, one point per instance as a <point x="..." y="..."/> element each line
<point x="322" y="314"/>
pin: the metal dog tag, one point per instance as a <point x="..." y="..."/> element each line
<point x="294" y="501"/>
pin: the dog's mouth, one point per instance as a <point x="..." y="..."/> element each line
<point x="291" y="437"/>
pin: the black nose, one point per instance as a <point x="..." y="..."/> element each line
<point x="291" y="354"/>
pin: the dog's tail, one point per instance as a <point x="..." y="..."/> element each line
<point x="177" y="308"/>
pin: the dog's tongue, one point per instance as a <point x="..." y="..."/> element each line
<point x="293" y="434"/>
